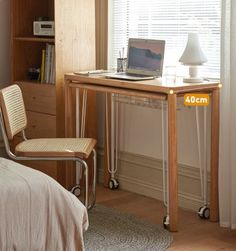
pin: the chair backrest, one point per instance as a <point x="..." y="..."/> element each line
<point x="13" y="110"/>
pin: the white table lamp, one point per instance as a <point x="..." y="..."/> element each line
<point x="193" y="56"/>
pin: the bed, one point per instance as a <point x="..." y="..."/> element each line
<point x="37" y="213"/>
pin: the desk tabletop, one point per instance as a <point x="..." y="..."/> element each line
<point x="154" y="86"/>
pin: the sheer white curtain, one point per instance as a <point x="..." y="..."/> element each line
<point x="227" y="172"/>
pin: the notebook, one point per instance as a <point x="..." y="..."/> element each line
<point x="145" y="60"/>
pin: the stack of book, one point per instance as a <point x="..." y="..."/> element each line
<point x="48" y="65"/>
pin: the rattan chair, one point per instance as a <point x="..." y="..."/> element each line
<point x="13" y="121"/>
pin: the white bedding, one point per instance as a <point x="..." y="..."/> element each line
<point x="37" y="213"/>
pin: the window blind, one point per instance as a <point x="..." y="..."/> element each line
<point x="170" y="20"/>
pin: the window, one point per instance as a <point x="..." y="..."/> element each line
<point x="170" y="20"/>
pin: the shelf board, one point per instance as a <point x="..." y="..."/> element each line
<point x="36" y="39"/>
<point x="33" y="82"/>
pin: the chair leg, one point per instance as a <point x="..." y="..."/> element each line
<point x="85" y="166"/>
<point x="94" y="179"/>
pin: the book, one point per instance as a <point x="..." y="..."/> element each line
<point x="47" y="63"/>
<point x="42" y="76"/>
<point x="52" y="65"/>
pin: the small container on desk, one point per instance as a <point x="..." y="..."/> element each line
<point x="121" y="64"/>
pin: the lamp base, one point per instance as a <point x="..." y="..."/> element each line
<point x="193" y="80"/>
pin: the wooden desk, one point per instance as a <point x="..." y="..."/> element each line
<point x="155" y="89"/>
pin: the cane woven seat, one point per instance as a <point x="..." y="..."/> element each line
<point x="58" y="147"/>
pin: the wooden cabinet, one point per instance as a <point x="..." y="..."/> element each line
<point x="40" y="104"/>
<point x="74" y="42"/>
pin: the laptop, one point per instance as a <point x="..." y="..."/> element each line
<point x="145" y="60"/>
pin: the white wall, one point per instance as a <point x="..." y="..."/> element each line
<point x="140" y="156"/>
<point x="141" y="132"/>
<point x="4" y="42"/>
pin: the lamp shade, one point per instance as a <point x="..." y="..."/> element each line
<point x="193" y="54"/>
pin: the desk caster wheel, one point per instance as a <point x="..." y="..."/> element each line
<point x="113" y="184"/>
<point x="166" y="222"/>
<point x="76" y="190"/>
<point x="204" y="212"/>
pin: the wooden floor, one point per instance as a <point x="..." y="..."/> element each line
<point x="194" y="233"/>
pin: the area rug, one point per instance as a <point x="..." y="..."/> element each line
<point x="112" y="230"/>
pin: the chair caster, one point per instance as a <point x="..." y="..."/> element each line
<point x="166" y="222"/>
<point x="76" y="190"/>
<point x="204" y="212"/>
<point x="113" y="184"/>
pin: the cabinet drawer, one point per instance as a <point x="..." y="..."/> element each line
<point x="39" y="97"/>
<point x="40" y="125"/>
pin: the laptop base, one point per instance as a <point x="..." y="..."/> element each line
<point x="128" y="76"/>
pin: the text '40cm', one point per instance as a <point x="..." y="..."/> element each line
<point x="196" y="99"/>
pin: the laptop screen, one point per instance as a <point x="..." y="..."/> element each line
<point x="145" y="56"/>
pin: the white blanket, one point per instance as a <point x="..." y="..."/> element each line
<point x="37" y="213"/>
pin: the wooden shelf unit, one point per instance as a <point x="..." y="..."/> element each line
<point x="74" y="50"/>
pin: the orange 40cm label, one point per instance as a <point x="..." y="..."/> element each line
<point x="196" y="99"/>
